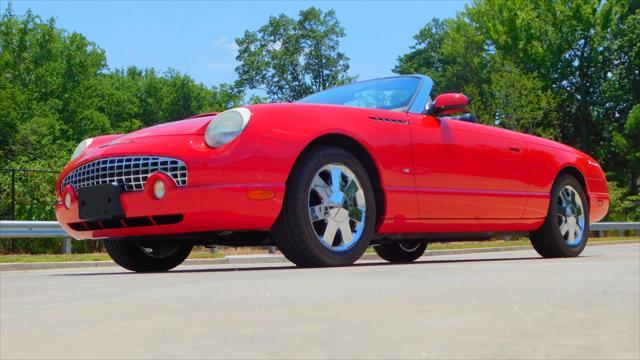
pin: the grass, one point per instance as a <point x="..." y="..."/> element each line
<point x="53" y="258"/>
<point x="201" y="254"/>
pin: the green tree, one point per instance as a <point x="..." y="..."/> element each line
<point x="290" y="58"/>
<point x="560" y="41"/>
<point x="452" y="53"/>
<point x="426" y="55"/>
<point x="49" y="86"/>
<point x="140" y="97"/>
<point x="621" y="24"/>
<point x="225" y="96"/>
<point x="621" y="89"/>
<point x="626" y="149"/>
<point x="519" y="101"/>
<point x="622" y="206"/>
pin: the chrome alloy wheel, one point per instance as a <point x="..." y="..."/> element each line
<point x="337" y="207"/>
<point x="570" y="216"/>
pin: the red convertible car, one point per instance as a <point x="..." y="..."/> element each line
<point x="370" y="163"/>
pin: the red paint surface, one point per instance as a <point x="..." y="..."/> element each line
<point x="437" y="175"/>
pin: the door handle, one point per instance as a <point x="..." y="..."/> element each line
<point x="515" y="148"/>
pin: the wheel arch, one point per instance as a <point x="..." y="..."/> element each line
<point x="577" y="174"/>
<point x="361" y="153"/>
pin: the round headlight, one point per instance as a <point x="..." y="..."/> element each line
<point x="80" y="148"/>
<point x="226" y="126"/>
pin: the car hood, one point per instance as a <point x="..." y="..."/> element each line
<point x="192" y="126"/>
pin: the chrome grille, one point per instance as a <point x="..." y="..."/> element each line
<point x="129" y="171"/>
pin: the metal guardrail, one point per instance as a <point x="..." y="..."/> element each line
<point x="35" y="229"/>
<point x="49" y="229"/>
<point x="620" y="226"/>
<point x="31" y="229"/>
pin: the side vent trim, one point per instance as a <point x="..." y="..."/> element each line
<point x="388" y="120"/>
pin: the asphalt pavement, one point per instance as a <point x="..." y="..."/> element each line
<point x="489" y="305"/>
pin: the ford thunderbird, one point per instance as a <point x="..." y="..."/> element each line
<point x="373" y="163"/>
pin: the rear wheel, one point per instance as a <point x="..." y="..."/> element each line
<point x="146" y="256"/>
<point x="401" y="252"/>
<point x="566" y="229"/>
<point x="329" y="210"/>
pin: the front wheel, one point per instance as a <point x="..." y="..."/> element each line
<point x="401" y="252"/>
<point x="147" y="256"/>
<point x="329" y="210"/>
<point x="566" y="228"/>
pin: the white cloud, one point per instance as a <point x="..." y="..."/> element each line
<point x="226" y="44"/>
<point x="219" y="41"/>
<point x="220" y="57"/>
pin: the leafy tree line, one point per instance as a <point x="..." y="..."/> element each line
<point x="56" y="89"/>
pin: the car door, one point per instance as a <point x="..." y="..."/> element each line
<point x="466" y="170"/>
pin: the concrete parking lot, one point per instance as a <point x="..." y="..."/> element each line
<point x="494" y="305"/>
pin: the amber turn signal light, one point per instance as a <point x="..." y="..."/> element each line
<point x="260" y="195"/>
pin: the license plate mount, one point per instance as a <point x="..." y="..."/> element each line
<point x="100" y="202"/>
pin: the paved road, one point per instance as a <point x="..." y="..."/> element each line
<point x="501" y="305"/>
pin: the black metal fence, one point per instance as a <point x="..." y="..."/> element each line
<point x="27" y="194"/>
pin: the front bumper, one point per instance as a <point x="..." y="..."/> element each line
<point x="215" y="198"/>
<point x="202" y="208"/>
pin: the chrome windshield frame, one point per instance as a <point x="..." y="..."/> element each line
<point x="423" y="95"/>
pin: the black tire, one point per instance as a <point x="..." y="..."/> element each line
<point x="548" y="241"/>
<point x="294" y="233"/>
<point x="401" y="252"/>
<point x="131" y="255"/>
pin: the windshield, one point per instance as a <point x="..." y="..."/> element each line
<point x="389" y="94"/>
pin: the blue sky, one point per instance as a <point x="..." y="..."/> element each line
<point x="197" y="37"/>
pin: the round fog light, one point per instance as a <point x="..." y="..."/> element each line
<point x="67" y="200"/>
<point x="159" y="189"/>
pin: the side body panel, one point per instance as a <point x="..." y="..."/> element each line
<point x="476" y="178"/>
<point x="468" y="171"/>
